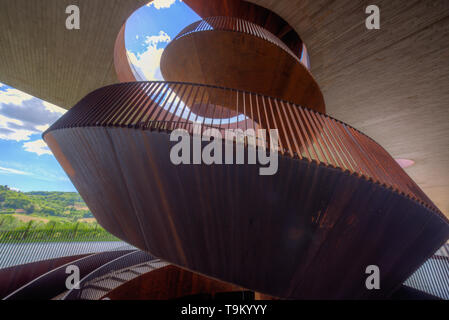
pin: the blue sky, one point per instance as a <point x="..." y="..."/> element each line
<point x="150" y="29"/>
<point x="26" y="163"/>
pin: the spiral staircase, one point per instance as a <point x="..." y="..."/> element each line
<point x="337" y="203"/>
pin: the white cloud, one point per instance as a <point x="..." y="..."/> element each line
<point x="14" y="96"/>
<point x="4" y="170"/>
<point x="42" y="128"/>
<point x="147" y="63"/>
<point x="22" y="115"/>
<point x="161" y="4"/>
<point x="153" y="41"/>
<point x="10" y="129"/>
<point x="53" y="108"/>
<point x="39" y="147"/>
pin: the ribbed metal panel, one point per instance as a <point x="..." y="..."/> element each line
<point x="433" y="276"/>
<point x="303" y="133"/>
<point x="235" y="25"/>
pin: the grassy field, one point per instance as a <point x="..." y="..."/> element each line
<point x="18" y="228"/>
<point x="25" y="218"/>
<point x="55" y="235"/>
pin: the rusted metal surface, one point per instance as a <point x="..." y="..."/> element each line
<point x="53" y="282"/>
<point x="122" y="65"/>
<point x="338" y="203"/>
<point x="15" y="277"/>
<point x="113" y="274"/>
<point x="304" y="133"/>
<point x="236" y="53"/>
<point x="169" y="282"/>
<point x="234" y="25"/>
<point x="250" y="12"/>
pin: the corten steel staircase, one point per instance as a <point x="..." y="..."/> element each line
<point x="100" y="273"/>
<point x="53" y="282"/>
<point x="337" y="203"/>
<point x="113" y="274"/>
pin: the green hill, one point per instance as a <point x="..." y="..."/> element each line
<point x="19" y="210"/>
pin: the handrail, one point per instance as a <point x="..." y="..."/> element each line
<point x="235" y="25"/>
<point x="31" y="245"/>
<point x="303" y="133"/>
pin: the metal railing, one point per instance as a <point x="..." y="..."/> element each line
<point x="433" y="276"/>
<point x="235" y="25"/>
<point x="25" y="246"/>
<point x="303" y="133"/>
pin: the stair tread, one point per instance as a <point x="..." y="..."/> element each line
<point x="92" y="294"/>
<point x="107" y="283"/>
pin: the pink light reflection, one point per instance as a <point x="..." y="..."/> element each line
<point x="405" y="163"/>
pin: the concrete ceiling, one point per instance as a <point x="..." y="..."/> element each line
<point x="392" y="83"/>
<point x="39" y="56"/>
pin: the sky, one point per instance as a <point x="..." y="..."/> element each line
<point x="150" y="29"/>
<point x="26" y="163"/>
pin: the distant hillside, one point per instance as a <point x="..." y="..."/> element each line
<point x="61" y="204"/>
<point x="19" y="208"/>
